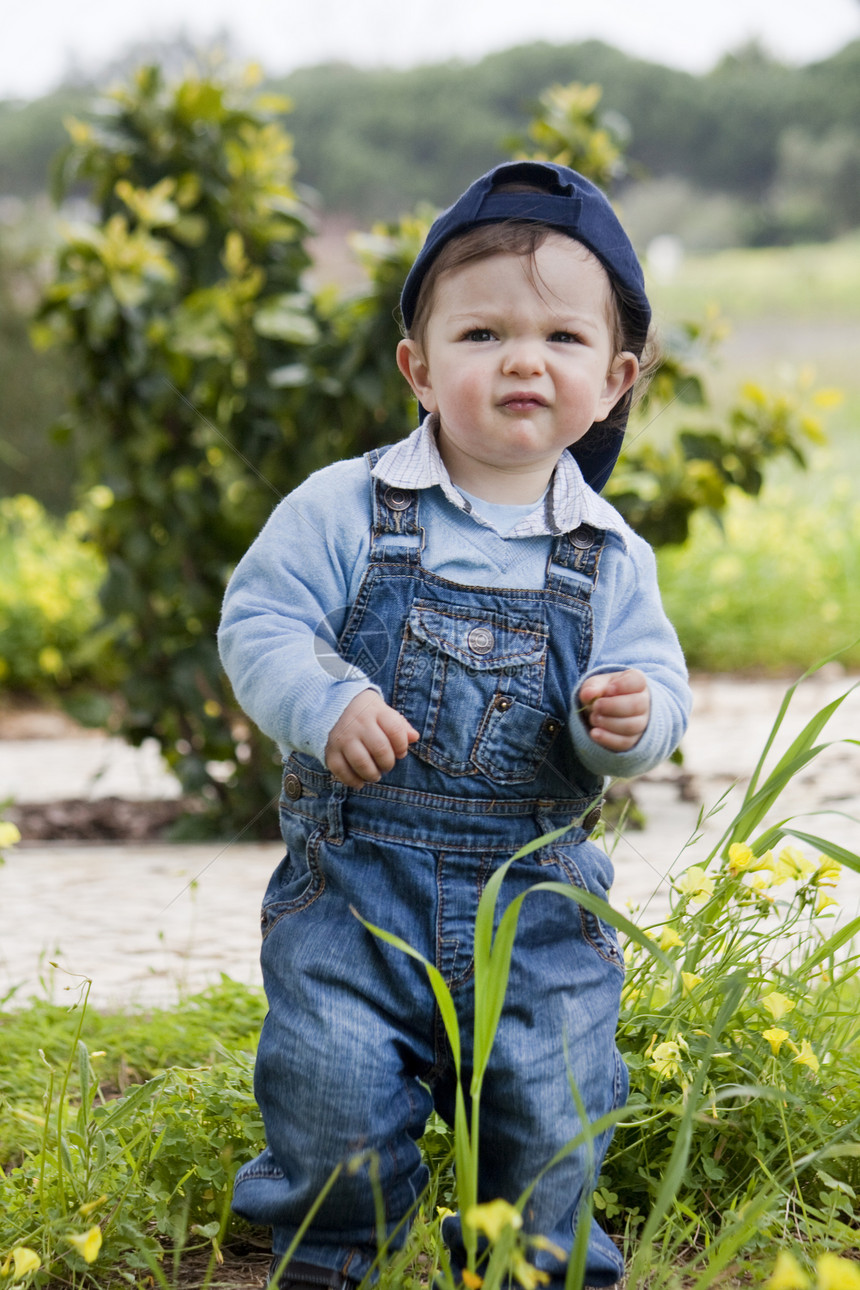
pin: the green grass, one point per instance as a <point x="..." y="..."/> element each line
<point x="738" y="1145"/>
<point x="804" y="283"/>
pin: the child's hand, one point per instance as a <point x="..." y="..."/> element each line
<point x="366" y="740"/>
<point x="617" y="706"/>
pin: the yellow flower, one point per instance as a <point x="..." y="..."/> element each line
<point x="544" y="1243"/>
<point x="760" y="882"/>
<point x="793" y="864"/>
<point x="690" y="981"/>
<point x="828" y="873"/>
<point x="493" y="1217"/>
<point x="837" y="1274"/>
<point x="778" y="1005"/>
<point x="83" y="1210"/>
<point x="666" y="1059"/>
<point x="21" y="1261"/>
<point x="444" y="1212"/>
<point x="9" y="835"/>
<point x="669" y="939"/>
<point x="101" y="497"/>
<point x="822" y="900"/>
<point x="695" y="883"/>
<point x="50" y="660"/>
<point x="787" y="1274"/>
<point x="526" y="1273"/>
<point x="776" y="1037"/>
<point x="87" y="1244"/>
<point x="806" y="1057"/>
<point x="471" y="1280"/>
<point x="740" y="857"/>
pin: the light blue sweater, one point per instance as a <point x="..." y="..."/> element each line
<point x="289" y="597"/>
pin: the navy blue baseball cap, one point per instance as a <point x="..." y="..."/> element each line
<point x="572" y="204"/>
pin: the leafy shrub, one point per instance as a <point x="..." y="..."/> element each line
<point x="51" y="626"/>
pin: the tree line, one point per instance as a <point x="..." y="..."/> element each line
<point x="783" y="140"/>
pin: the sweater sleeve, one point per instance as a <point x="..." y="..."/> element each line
<point x="631" y="630"/>
<point x="286" y="604"/>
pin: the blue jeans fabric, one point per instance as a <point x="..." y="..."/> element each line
<point x="353" y="1056"/>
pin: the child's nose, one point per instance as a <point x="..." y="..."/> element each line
<point x="523" y="357"/>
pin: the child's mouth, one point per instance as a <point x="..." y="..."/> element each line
<point x="522" y="401"/>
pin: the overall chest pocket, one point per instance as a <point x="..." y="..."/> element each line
<point x="471" y="682"/>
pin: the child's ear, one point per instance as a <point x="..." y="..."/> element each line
<point x="414" y="367"/>
<point x="622" y="373"/>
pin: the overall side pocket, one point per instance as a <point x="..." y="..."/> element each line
<point x="298" y="880"/>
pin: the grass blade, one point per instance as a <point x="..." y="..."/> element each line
<point x="850" y="859"/>
<point x="833" y="943"/>
<point x="604" y="911"/>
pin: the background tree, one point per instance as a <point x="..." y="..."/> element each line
<point x="182" y="305"/>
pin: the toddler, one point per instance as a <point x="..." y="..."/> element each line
<point x="455" y="641"/>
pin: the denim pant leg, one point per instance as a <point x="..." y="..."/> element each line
<point x="337" y="1078"/>
<point x="557" y="1028"/>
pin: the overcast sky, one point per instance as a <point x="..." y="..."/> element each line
<point x="42" y="39"/>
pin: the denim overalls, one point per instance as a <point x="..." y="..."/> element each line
<point x="353" y="1056"/>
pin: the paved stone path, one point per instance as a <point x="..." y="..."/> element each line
<point x="145" y="923"/>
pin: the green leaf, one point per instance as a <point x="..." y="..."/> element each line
<point x="286" y="318"/>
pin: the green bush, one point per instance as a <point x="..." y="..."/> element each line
<point x="184" y="307"/>
<point x="51" y="626"/>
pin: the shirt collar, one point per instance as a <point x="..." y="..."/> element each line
<point x="415" y="462"/>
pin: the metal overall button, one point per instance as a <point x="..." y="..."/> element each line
<point x="591" y="820"/>
<point x="552" y="726"/>
<point x="582" y="537"/>
<point x="480" y="640"/>
<point x="292" y="787"/>
<point x="503" y="702"/>
<point x="397" y="499"/>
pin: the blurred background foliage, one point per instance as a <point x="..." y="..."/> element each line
<point x="194" y="371"/>
<point x="375" y="143"/>
<point x="752" y="153"/>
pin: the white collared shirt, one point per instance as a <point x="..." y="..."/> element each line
<point x="416" y="463"/>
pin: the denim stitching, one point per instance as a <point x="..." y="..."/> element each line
<point x="592" y="928"/>
<point x="315" y="889"/>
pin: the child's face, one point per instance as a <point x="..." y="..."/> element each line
<point x="518" y="361"/>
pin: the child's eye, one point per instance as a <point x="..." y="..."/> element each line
<point x="479" y="334"/>
<point x="565" y="338"/>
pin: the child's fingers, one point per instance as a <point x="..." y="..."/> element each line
<point x="613" y="684"/>
<point x="355" y="764"/>
<point x="622" y="723"/>
<point x="614" y="740"/>
<point x="397" y="730"/>
<point x="619" y="707"/>
<point x="619" y="716"/>
<point x="342" y="771"/>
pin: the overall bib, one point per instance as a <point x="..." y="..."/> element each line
<point x="353" y="1056"/>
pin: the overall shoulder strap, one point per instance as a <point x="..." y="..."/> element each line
<point x="578" y="552"/>
<point x="395" y="514"/>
